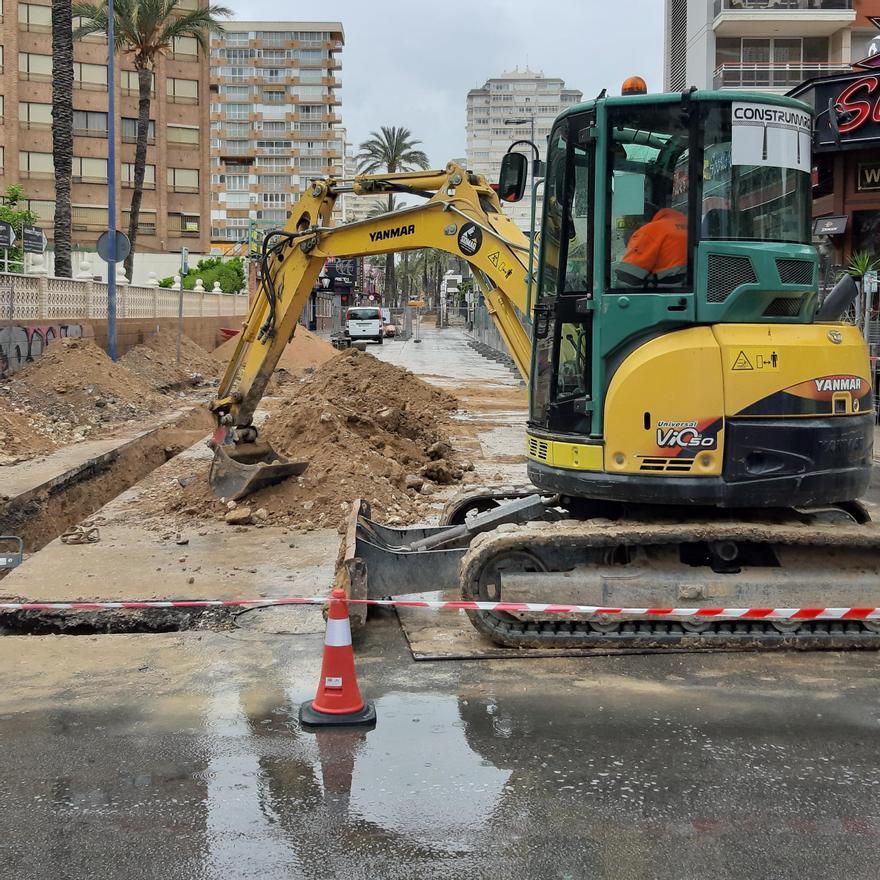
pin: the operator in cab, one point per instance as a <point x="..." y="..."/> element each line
<point x="656" y="256"/>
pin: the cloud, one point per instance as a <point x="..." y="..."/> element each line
<point x="412" y="63"/>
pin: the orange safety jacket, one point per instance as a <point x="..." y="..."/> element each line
<point x="659" y="248"/>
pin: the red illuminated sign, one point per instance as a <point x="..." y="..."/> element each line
<point x="852" y="100"/>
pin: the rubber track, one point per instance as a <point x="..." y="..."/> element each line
<point x="544" y="540"/>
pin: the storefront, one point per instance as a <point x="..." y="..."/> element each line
<point x="846" y="165"/>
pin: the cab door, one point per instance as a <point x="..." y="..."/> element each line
<point x="561" y="390"/>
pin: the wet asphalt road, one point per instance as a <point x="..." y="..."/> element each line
<point x="179" y="756"/>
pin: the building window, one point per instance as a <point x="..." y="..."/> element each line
<point x="236" y="38"/>
<point x="34" y="18"/>
<point x="35" y="164"/>
<point x="185" y="47"/>
<point x="183" y="224"/>
<point x="88" y="218"/>
<point x="45" y="210"/>
<point x="273" y="183"/>
<point x="32" y="115"/>
<point x="237" y="130"/>
<point x="273" y="199"/>
<point x="129" y="131"/>
<point x="130" y="85"/>
<point x="274" y="96"/>
<point x="235" y="148"/>
<point x="89" y="123"/>
<point x="236" y="56"/>
<point x="183" y="134"/>
<point x="274" y="38"/>
<point x="90" y="76"/>
<point x="238" y="111"/>
<point x="89" y="170"/>
<point x="2" y="158"/>
<point x="310" y="93"/>
<point x="274" y="148"/>
<point x="146" y="222"/>
<point x="34" y="67"/>
<point x="238" y="201"/>
<point x="279" y="163"/>
<point x="182" y="91"/>
<point x="311" y="110"/>
<point x="236" y="93"/>
<point x="183" y="179"/>
<point x="127" y="174"/>
<point x="236" y="181"/>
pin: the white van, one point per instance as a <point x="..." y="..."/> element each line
<point x="364" y="322"/>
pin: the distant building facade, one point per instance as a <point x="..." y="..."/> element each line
<point x="274" y="120"/>
<point x="507" y="108"/>
<point x="176" y="192"/>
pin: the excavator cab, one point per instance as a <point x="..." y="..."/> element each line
<point x="675" y="355"/>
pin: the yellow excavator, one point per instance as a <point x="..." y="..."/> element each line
<point x="700" y="428"/>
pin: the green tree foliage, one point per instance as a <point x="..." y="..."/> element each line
<point x="230" y="275"/>
<point x="16" y="216"/>
<point x="390" y="149"/>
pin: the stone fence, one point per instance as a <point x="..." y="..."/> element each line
<point x="44" y="298"/>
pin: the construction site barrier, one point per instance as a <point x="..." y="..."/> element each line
<point x="824" y="613"/>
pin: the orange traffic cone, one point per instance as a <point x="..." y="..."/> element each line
<point x="338" y="701"/>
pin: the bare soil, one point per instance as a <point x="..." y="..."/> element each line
<point x="155" y="361"/>
<point x="306" y="351"/>
<point x="364" y="427"/>
<point x="23" y="435"/>
<point x="75" y="391"/>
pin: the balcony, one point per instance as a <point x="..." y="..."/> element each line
<point x="797" y="18"/>
<point x="771" y="77"/>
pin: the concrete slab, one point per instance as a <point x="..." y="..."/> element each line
<point x="65" y="465"/>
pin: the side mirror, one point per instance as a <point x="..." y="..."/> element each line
<point x="512" y="180"/>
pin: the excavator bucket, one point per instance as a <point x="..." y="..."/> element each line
<point x="239" y="469"/>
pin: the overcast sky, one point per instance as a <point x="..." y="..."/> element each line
<point x="412" y="63"/>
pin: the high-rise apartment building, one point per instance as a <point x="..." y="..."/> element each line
<point x="176" y="197"/>
<point x="519" y="105"/>
<point x="273" y="120"/>
<point x="770" y="45"/>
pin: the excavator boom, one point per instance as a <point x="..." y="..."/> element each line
<point x="461" y="215"/>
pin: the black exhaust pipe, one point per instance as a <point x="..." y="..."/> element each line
<point x="842" y="295"/>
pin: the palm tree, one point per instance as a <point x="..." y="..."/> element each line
<point x="62" y="128"/>
<point x="145" y="30"/>
<point x="390" y="149"/>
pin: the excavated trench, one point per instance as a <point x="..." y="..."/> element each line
<point x="41" y="516"/>
<point x="91" y="623"/>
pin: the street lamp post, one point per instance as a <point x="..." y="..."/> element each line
<point x="111" y="184"/>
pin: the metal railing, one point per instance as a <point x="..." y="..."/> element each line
<point x="769" y="75"/>
<point x="781" y="5"/>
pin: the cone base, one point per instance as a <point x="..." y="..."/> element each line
<point x="311" y="717"/>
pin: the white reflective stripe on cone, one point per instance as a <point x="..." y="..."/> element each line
<point x="338" y="633"/>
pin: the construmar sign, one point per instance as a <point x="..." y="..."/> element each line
<point x="854" y="98"/>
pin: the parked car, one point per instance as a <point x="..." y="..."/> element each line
<point x="364" y="322"/>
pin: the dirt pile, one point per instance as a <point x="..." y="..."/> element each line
<point x="24" y="435"/>
<point x="75" y="388"/>
<point x="306" y="351"/>
<point x="367" y="429"/>
<point x="155" y="361"/>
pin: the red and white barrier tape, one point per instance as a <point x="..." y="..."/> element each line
<point x="437" y="605"/>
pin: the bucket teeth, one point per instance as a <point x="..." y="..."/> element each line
<point x="240" y="469"/>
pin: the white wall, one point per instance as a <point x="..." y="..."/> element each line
<point x="162" y="264"/>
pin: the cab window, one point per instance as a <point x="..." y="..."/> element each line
<point x="648" y="247"/>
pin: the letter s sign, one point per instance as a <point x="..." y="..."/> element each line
<point x="861" y="110"/>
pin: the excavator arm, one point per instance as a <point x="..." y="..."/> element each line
<point x="461" y="215"/>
